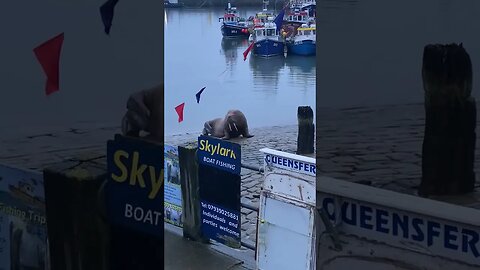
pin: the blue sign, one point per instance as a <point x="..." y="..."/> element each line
<point x="220" y="224"/>
<point x="219" y="180"/>
<point x="134" y="192"/>
<point x="220" y="154"/>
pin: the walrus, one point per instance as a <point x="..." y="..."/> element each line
<point x="232" y="125"/>
<point x="145" y="110"/>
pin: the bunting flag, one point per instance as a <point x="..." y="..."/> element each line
<point x="106" y="11"/>
<point x="179" y="110"/>
<point x="245" y="53"/>
<point x="48" y="54"/>
<point x="279" y="19"/>
<point x="199" y="93"/>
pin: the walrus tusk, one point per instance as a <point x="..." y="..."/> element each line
<point x="230" y="126"/>
<point x="235" y="126"/>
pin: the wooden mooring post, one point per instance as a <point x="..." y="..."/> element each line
<point x="192" y="220"/>
<point x="306" y="131"/>
<point x="449" y="141"/>
<point x="78" y="235"/>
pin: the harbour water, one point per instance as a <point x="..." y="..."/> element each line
<point x="370" y="51"/>
<point x="267" y="90"/>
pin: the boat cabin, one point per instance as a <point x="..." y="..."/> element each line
<point x="269" y="30"/>
<point x="230" y="18"/>
<point x="306" y="30"/>
<point x="230" y="15"/>
<point x="263" y="17"/>
<point x="301" y="16"/>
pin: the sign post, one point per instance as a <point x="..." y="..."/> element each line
<point x="286" y="227"/>
<point x="219" y="165"/>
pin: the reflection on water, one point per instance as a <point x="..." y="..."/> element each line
<point x="268" y="91"/>
<point x="230" y="49"/>
<point x="266" y="72"/>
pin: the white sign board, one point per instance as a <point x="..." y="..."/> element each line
<point x="381" y="228"/>
<point x="289" y="162"/>
<point x="286" y="234"/>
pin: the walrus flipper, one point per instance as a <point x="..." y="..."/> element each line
<point x="246" y="134"/>
<point x="226" y="136"/>
<point x="207" y="128"/>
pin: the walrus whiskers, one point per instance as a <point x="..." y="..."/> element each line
<point x="222" y="128"/>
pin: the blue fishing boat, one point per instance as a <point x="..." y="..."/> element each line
<point x="233" y="25"/>
<point x="267" y="41"/>
<point x="304" y="41"/>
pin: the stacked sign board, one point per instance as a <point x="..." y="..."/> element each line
<point x="219" y="180"/>
<point x="381" y="229"/>
<point x="23" y="232"/>
<point x="173" y="191"/>
<point x="286" y="228"/>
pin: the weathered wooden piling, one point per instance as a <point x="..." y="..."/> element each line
<point x="192" y="221"/>
<point x="449" y="141"/>
<point x="78" y="235"/>
<point x="306" y="130"/>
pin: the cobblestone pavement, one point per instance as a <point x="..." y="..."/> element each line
<point x="46" y="146"/>
<point x="282" y="138"/>
<point x="380" y="146"/>
<point x="50" y="145"/>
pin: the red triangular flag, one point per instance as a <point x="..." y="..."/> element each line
<point x="48" y="54"/>
<point x="245" y="53"/>
<point x="179" y="110"/>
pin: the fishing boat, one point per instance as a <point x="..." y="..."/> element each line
<point x="267" y="41"/>
<point x="24" y="192"/>
<point x="261" y="17"/>
<point x="310" y="6"/>
<point x="306" y="5"/>
<point x="296" y="17"/>
<point x="233" y="25"/>
<point x="303" y="42"/>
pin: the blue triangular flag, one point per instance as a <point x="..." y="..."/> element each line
<point x="199" y="93"/>
<point x="279" y="19"/>
<point x="106" y="11"/>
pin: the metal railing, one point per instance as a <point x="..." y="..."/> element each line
<point x="250" y="206"/>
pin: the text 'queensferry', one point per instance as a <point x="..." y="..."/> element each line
<point x="291" y="164"/>
<point x="426" y="231"/>
<point x="216" y="149"/>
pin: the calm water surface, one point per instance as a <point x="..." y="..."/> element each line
<point x="268" y="91"/>
<point x="370" y="51"/>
